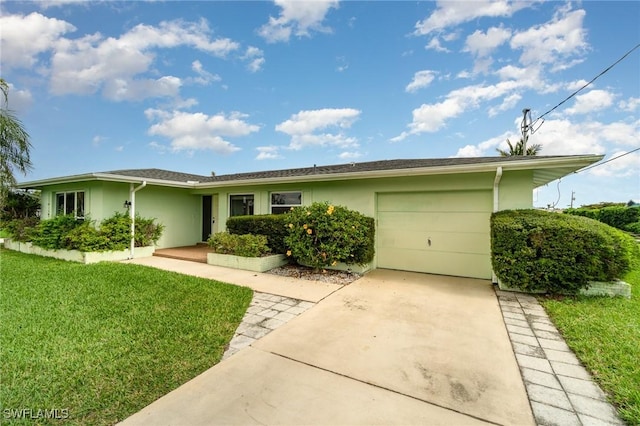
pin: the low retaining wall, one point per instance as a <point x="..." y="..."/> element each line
<point x="596" y="288"/>
<point x="79" y="256"/>
<point x="255" y="264"/>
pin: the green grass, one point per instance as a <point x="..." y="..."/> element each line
<point x="605" y="334"/>
<point x="105" y="340"/>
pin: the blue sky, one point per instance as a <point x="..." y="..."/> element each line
<point x="246" y="86"/>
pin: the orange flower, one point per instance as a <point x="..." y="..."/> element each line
<point x="288" y="252"/>
<point x="309" y="231"/>
<point x="304" y="226"/>
<point x="291" y="225"/>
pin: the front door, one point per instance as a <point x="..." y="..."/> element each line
<point x="207" y="218"/>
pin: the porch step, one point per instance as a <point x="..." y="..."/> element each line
<point x="197" y="253"/>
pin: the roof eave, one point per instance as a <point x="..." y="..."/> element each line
<point x="103" y="177"/>
<point x="555" y="166"/>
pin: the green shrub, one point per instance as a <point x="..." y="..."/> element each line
<point x="273" y="226"/>
<point x="536" y="250"/>
<point x="633" y="227"/>
<point x="68" y="233"/>
<point x="21" y="229"/>
<point x="322" y="235"/>
<point x="147" y="231"/>
<point x="50" y="232"/>
<point x="86" y="237"/>
<point x="117" y="229"/>
<point x="246" y="245"/>
<point x="618" y="216"/>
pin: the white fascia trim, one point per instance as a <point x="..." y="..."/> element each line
<point x="104" y="177"/>
<point x="576" y="162"/>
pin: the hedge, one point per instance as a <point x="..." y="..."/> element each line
<point x="541" y="251"/>
<point x="273" y="226"/>
<point x="618" y="216"/>
<point x="245" y="245"/>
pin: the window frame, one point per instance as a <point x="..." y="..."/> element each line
<point x="252" y="206"/>
<point x="286" y="206"/>
<point x="65" y="196"/>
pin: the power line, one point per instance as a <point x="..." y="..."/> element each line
<point x="608" y="161"/>
<point x="583" y="87"/>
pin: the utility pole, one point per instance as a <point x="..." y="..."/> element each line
<point x="525" y="127"/>
<point x="573" y="198"/>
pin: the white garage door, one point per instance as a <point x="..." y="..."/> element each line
<point x="435" y="232"/>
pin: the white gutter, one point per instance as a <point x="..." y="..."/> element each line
<point x="496" y="189"/>
<point x="132" y="213"/>
<point x="496" y="206"/>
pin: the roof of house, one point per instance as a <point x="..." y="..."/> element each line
<point x="545" y="168"/>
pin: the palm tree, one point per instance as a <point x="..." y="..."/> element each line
<point x="14" y="145"/>
<point x="517" y="149"/>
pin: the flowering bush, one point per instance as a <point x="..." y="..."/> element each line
<point x="322" y="235"/>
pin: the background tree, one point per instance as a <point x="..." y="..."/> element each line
<point x="518" y="148"/>
<point x="14" y="145"/>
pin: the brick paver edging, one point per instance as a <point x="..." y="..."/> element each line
<point x="560" y="389"/>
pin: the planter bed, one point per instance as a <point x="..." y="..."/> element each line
<point x="255" y="264"/>
<point x="79" y="256"/>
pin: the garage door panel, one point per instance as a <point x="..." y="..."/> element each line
<point x="454" y="242"/>
<point x="456" y="224"/>
<point x="435" y="221"/>
<point x="460" y="201"/>
<point x="466" y="264"/>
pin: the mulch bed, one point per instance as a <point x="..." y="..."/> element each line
<point x="323" y="275"/>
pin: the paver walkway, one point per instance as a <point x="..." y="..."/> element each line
<point x="560" y="390"/>
<point x="266" y="313"/>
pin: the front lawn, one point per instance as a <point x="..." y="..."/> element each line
<point x="103" y="341"/>
<point x="605" y="334"/>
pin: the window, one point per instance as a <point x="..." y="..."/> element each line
<point x="281" y="202"/>
<point x="70" y="203"/>
<point x="241" y="205"/>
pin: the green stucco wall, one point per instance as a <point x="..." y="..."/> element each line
<point x="176" y="208"/>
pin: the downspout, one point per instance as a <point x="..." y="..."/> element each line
<point x="496" y="207"/>
<point x="132" y="214"/>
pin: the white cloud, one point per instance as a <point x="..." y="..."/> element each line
<point x="434" y="44"/>
<point x="594" y="100"/>
<point x="255" y="57"/>
<point x="482" y="44"/>
<point x="304" y="127"/>
<point x="204" y="77"/>
<point x="19" y="100"/>
<point x="113" y="65"/>
<point x="508" y="103"/>
<point x="553" y="42"/>
<point x="429" y="118"/>
<point x="268" y="153"/>
<point x="564" y="137"/>
<point x="349" y="155"/>
<point x="198" y="131"/>
<point x="624" y="166"/>
<point x="630" y="105"/>
<point x="420" y="80"/>
<point x="23" y="38"/>
<point x="296" y="18"/>
<point x="451" y="13"/>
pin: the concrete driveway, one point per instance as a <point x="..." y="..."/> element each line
<point x="391" y="348"/>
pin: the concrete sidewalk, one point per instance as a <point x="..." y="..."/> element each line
<point x="391" y="348"/>
<point x="310" y="291"/>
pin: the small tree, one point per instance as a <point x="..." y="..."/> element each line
<point x="518" y="149"/>
<point x="14" y="145"/>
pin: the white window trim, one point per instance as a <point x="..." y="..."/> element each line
<point x="75" y="200"/>
<point x="241" y="194"/>
<point x="271" y="206"/>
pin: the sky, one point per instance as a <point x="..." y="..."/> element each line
<point x="242" y="86"/>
